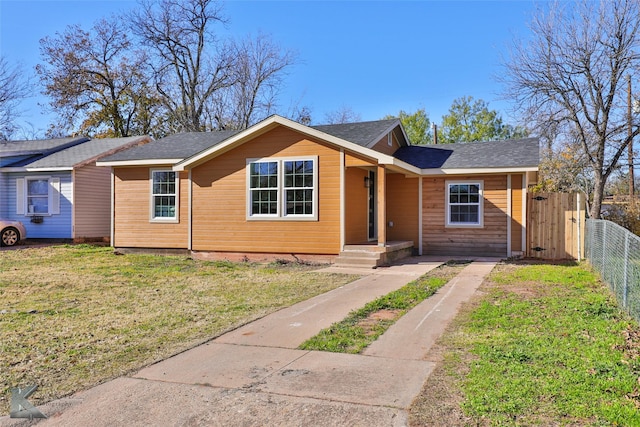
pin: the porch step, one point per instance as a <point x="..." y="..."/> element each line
<point x="372" y="256"/>
<point x="358" y="259"/>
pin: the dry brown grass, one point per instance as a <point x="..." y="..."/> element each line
<point x="75" y="316"/>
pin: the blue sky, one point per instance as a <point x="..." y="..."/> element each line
<point x="376" y="58"/>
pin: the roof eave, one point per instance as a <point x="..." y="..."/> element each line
<point x="144" y="162"/>
<point x="469" y="171"/>
<point x="28" y="169"/>
<point x="401" y="166"/>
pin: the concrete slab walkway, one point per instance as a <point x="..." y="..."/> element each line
<point x="255" y="375"/>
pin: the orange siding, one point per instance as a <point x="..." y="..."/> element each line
<point x="356" y="207"/>
<point x="92" y="202"/>
<point x="490" y="240"/>
<point x="133" y="227"/>
<point x="220" y="201"/>
<point x="383" y="146"/>
<point x="516" y="213"/>
<point x="351" y="160"/>
<point x="402" y="208"/>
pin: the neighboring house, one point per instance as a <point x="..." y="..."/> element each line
<point x="54" y="187"/>
<point x="355" y="193"/>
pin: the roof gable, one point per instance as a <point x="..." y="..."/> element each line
<point x="366" y="134"/>
<point x="274" y="121"/>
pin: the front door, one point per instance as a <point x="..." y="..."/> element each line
<point x="372" y="212"/>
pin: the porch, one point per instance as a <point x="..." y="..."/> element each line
<point x="372" y="255"/>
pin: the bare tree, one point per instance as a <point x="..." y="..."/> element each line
<point x="258" y="74"/>
<point x="13" y="89"/>
<point x="343" y="115"/>
<point x="191" y="64"/>
<point x="571" y="75"/>
<point x="96" y="82"/>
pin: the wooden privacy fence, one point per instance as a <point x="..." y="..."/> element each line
<point x="555" y="225"/>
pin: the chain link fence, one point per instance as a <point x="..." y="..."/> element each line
<point x="615" y="253"/>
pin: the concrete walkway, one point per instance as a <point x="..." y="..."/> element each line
<point x="255" y="375"/>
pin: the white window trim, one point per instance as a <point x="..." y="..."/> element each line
<point x="53" y="195"/>
<point x="281" y="208"/>
<point x="152" y="217"/>
<point x="448" y="223"/>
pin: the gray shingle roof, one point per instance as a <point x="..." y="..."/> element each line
<point x="361" y="133"/>
<point x="473" y="155"/>
<point x="178" y="146"/>
<point x="80" y="153"/>
<point x="12" y="148"/>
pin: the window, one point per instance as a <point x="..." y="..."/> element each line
<point x="264" y="188"/>
<point x="164" y="195"/>
<point x="38" y="196"/>
<point x="464" y="204"/>
<point x="298" y="187"/>
<point x="282" y="189"/>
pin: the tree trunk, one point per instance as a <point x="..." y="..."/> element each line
<point x="598" y="195"/>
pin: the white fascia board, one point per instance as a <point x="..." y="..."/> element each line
<point x="28" y="169"/>
<point x="469" y="171"/>
<point x="402" y="166"/>
<point x="147" y="162"/>
<point x="269" y="124"/>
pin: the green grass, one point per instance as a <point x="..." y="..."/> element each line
<point x="359" y="329"/>
<point x="74" y="316"/>
<point x="546" y="346"/>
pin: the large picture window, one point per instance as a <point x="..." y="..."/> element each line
<point x="164" y="195"/>
<point x="464" y="204"/>
<point x="282" y="189"/>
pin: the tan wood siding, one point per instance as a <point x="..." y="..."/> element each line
<point x="91" y="202"/>
<point x="356" y="206"/>
<point x="516" y="212"/>
<point x="383" y="146"/>
<point x="132" y="225"/>
<point x="489" y="240"/>
<point x="220" y="201"/>
<point x="402" y="208"/>
<point x="355" y="161"/>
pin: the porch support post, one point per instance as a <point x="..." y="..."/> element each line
<point x="343" y="215"/>
<point x="509" y="214"/>
<point x="382" y="205"/>
<point x="420" y="215"/>
<point x="190" y="202"/>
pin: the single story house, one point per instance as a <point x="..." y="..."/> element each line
<point x="54" y="187"/>
<point x="349" y="193"/>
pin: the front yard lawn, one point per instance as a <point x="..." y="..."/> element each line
<point x="75" y="316"/>
<point x="544" y="345"/>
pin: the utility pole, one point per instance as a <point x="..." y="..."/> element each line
<point x="630" y="137"/>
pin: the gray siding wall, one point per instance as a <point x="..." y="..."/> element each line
<point x="92" y="210"/>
